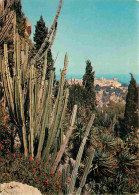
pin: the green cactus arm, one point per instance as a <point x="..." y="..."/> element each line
<point x="86" y="171"/>
<point x="57" y="112"/>
<point x="41" y="110"/>
<point x="63" y="146"/>
<point x="65" y="101"/>
<point x="50" y="44"/>
<point x="16" y="101"/>
<point x="42" y="81"/>
<point x="8" y="77"/>
<point x="65" y="174"/>
<point x="61" y="83"/>
<point x="6" y="92"/>
<point x="79" y="156"/>
<point x="49" y="34"/>
<point x="53" y="131"/>
<point x="20" y="96"/>
<point x="23" y="119"/>
<point x="45" y="116"/>
<point x="31" y="109"/>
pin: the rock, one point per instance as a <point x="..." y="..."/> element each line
<point x="16" y="188"/>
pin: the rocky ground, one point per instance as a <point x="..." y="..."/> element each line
<point x="16" y="188"/>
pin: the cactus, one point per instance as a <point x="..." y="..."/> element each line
<point x="54" y="25"/>
<point x="79" y="156"/>
<point x="86" y="171"/>
<point x="65" y="176"/>
<point x="29" y="97"/>
<point x="7" y="18"/>
<point x="63" y="146"/>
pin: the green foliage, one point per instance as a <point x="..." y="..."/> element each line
<point x="41" y="32"/>
<point x="76" y="96"/>
<point x="102" y="120"/>
<point x="88" y="83"/>
<point x="114" y="109"/>
<point x="114" y="167"/>
<point x="129" y="124"/>
<point x="88" y="78"/>
<point x="131" y="115"/>
<point x="84" y="96"/>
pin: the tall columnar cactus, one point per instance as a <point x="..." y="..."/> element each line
<point x="29" y="98"/>
<point x="79" y="156"/>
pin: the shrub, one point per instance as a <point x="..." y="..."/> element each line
<point x="15" y="167"/>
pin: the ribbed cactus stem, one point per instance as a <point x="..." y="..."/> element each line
<point x="21" y="102"/>
<point x="8" y="80"/>
<point x="31" y="97"/>
<point x="63" y="146"/>
<point x="57" y="112"/>
<point x="79" y="156"/>
<point x="86" y="171"/>
<point x="65" y="174"/>
<point x="50" y="44"/>
<point x="45" y="118"/>
<point x="49" y="33"/>
<point x="43" y="80"/>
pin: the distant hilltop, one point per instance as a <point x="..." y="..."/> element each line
<point x="106" y="90"/>
<point x="102" y="82"/>
<point x="121" y="78"/>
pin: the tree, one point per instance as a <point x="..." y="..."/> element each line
<point x="76" y="96"/>
<point x="88" y="83"/>
<point x="41" y="32"/>
<point x="131" y="115"/>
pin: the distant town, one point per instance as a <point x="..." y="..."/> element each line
<point x="106" y="90"/>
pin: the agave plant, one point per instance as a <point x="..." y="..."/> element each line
<point x="128" y="163"/>
<point x="103" y="164"/>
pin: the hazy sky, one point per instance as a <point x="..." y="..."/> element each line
<point x="104" y="31"/>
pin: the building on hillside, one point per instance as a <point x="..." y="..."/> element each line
<point x="73" y="81"/>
